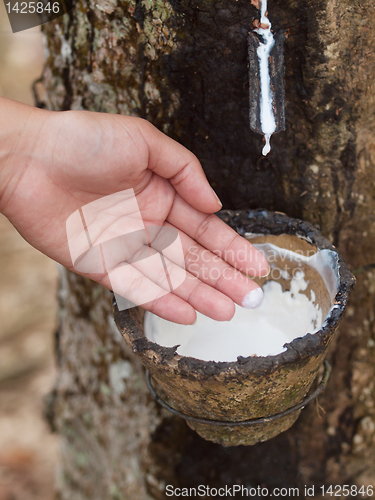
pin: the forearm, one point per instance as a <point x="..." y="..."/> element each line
<point x="19" y="128"/>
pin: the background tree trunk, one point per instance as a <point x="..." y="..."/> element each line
<point x="183" y="65"/>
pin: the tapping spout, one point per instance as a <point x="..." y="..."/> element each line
<point x="266" y="78"/>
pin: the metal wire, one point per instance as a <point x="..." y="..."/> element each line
<point x="243" y="423"/>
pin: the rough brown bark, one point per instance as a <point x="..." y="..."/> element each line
<point x="183" y="65"/>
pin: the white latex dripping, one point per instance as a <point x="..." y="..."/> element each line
<point x="267" y="118"/>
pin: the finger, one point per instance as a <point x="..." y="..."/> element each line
<point x="169" y="276"/>
<point x="171" y="160"/>
<point x="212" y="270"/>
<point x="205" y="299"/>
<point x="213" y="234"/>
<point x="172" y="308"/>
<point x="129" y="282"/>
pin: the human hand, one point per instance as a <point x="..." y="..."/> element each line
<point x="54" y="163"/>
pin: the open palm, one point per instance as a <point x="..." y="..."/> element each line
<point x="74" y="158"/>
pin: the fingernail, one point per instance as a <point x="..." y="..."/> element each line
<point x="253" y="299"/>
<point x="217" y="198"/>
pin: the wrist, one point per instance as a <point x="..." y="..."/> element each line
<point x="19" y="130"/>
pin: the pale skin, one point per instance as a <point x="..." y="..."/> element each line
<point x="53" y="163"/>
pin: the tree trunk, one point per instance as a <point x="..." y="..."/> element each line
<point x="183" y="65"/>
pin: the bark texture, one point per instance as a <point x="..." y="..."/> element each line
<point x="183" y="65"/>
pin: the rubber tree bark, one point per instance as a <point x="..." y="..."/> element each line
<point x="183" y="66"/>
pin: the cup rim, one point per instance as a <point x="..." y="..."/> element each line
<point x="299" y="350"/>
